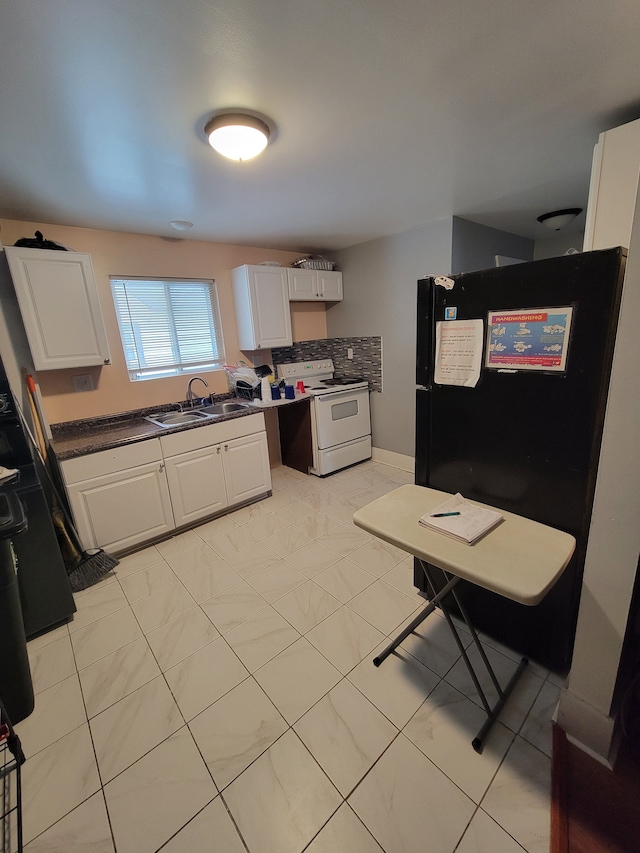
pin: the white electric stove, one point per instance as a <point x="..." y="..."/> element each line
<point x="340" y="414"/>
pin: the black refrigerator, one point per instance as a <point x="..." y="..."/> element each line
<point x="513" y="368"/>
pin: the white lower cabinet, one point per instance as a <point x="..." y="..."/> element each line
<point x="208" y="479"/>
<point x="115" y="503"/>
<point x="122" y="509"/>
<point x="196" y="484"/>
<point x="129" y="495"/>
<point x="246" y="467"/>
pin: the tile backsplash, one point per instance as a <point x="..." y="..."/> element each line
<point x="366" y="361"/>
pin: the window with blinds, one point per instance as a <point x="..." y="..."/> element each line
<point x="168" y="327"/>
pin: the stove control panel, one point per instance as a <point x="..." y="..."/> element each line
<point x="301" y="369"/>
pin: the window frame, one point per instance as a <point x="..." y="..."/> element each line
<point x="138" y="372"/>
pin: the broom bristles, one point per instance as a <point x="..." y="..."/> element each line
<point x="90" y="569"/>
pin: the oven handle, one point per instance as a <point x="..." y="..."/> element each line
<point x="327" y="398"/>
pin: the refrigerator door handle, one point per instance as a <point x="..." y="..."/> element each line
<point x="425" y="333"/>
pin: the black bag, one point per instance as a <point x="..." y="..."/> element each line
<point x="38" y="243"/>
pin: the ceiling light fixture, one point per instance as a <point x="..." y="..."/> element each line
<point x="557" y="219"/>
<point x="181" y="224"/>
<point x="236" y="135"/>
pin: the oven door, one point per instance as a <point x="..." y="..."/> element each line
<point x="341" y="416"/>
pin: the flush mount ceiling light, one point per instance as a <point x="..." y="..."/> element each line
<point x="181" y="224"/>
<point x="557" y="219"/>
<point x="236" y="135"/>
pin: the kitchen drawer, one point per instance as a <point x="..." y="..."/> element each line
<point x="206" y="435"/>
<point x="109" y="461"/>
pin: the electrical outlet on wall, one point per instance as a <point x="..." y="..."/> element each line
<point x="82" y="382"/>
<point x="349" y="352"/>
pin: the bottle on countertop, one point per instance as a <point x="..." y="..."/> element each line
<point x="265" y="388"/>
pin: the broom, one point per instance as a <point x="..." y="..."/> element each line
<point x="84" y="568"/>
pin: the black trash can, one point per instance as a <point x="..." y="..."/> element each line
<point x="16" y="688"/>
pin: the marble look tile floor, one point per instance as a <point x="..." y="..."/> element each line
<point x="217" y="695"/>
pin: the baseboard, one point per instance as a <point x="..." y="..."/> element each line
<point x="559" y="793"/>
<point x="396" y="460"/>
<point x="587" y="727"/>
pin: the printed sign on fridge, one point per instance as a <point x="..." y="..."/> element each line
<point x="458" y="356"/>
<point x="531" y="339"/>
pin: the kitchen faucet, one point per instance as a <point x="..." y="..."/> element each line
<point x="190" y="395"/>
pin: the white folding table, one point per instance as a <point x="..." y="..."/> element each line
<point x="519" y="559"/>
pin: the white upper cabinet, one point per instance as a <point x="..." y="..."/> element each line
<point x="60" y="309"/>
<point x="314" y="285"/>
<point x="613" y="188"/>
<point x="261" y="297"/>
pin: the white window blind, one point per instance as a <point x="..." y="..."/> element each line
<point x="168" y="327"/>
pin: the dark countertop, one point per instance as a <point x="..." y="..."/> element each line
<point x="78" y="438"/>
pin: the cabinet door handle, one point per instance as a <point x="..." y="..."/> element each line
<point x="226" y="448"/>
<point x="218" y="449"/>
<point x="161" y="468"/>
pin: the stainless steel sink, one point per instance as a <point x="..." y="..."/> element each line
<point x="170" y="419"/>
<point x="226" y="408"/>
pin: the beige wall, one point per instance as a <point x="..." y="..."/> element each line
<point x="308" y="320"/>
<point x="119" y="254"/>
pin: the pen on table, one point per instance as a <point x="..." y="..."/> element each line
<point x="443" y="514"/>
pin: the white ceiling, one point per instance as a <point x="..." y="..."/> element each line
<point x="389" y="114"/>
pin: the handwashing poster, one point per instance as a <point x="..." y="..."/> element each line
<point x="533" y="339"/>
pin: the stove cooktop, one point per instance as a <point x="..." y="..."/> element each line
<point x="318" y="376"/>
<point x="343" y="380"/>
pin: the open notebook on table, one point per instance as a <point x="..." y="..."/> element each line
<point x="461" y="520"/>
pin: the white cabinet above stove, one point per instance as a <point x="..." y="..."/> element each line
<point x="314" y="285"/>
<point x="261" y="298"/>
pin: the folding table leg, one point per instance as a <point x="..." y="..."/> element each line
<point x="411" y="627"/>
<point x="503" y="695"/>
<point x="477" y="742"/>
